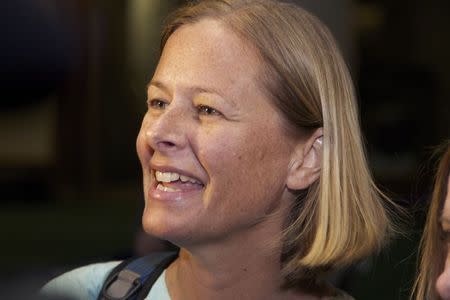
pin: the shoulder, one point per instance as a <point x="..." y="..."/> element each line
<point x="81" y="283"/>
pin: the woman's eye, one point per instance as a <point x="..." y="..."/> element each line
<point x="444" y="236"/>
<point x="206" y="110"/>
<point x="157" y="104"/>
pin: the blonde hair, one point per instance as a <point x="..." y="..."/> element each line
<point x="432" y="248"/>
<point x="341" y="217"/>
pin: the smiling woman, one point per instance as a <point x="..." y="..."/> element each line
<point x="235" y="151"/>
<point x="252" y="158"/>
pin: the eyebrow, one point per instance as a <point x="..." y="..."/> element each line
<point x="158" y="84"/>
<point x="194" y="89"/>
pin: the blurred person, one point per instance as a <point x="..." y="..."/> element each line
<point x="433" y="280"/>
<point x="252" y="159"/>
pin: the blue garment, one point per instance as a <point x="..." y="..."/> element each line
<point x="85" y="283"/>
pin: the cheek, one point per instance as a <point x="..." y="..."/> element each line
<point x="249" y="165"/>
<point x="443" y="281"/>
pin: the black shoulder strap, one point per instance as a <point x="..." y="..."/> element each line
<point x="133" y="278"/>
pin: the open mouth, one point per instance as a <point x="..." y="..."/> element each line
<point x="175" y="182"/>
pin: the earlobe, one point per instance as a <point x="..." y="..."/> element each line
<point x="306" y="162"/>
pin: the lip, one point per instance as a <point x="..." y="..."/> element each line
<point x="156" y="194"/>
<point x="161" y="168"/>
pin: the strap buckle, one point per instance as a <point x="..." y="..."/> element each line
<point x="121" y="286"/>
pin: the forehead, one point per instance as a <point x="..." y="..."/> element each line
<point x="207" y="53"/>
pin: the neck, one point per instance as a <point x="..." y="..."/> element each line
<point x="243" y="266"/>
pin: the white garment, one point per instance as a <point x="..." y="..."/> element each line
<point x="85" y="283"/>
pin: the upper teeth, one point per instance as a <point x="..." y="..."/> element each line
<point x="170" y="176"/>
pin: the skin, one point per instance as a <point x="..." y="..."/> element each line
<point x="208" y="118"/>
<point x="443" y="281"/>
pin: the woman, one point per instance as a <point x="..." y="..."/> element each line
<point x="252" y="156"/>
<point x="433" y="280"/>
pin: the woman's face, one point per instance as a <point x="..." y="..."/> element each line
<point x="443" y="282"/>
<point x="213" y="149"/>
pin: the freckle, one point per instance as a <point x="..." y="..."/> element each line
<point x="244" y="269"/>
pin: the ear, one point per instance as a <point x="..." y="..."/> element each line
<point x="306" y="162"/>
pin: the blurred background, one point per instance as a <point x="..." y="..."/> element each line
<point x="73" y="76"/>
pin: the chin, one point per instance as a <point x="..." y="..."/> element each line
<point x="164" y="227"/>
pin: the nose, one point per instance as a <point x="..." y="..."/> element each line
<point x="443" y="283"/>
<point x="167" y="131"/>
